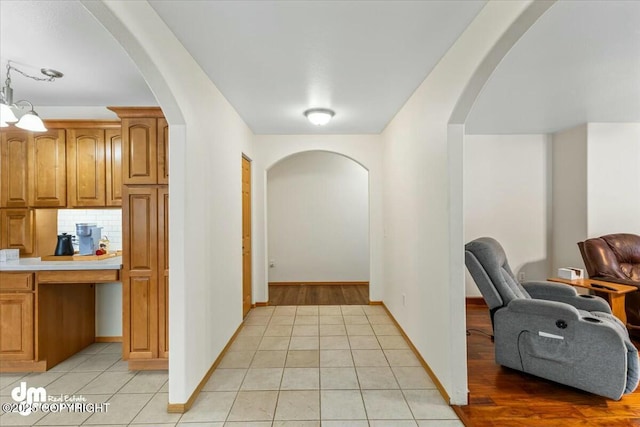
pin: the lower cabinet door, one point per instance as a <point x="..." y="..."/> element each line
<point x="16" y="326"/>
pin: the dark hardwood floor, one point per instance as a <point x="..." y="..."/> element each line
<point x="503" y="397"/>
<point x="318" y="294"/>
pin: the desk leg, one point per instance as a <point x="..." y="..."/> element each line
<point x="617" y="306"/>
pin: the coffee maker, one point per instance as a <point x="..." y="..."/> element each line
<point x="88" y="238"/>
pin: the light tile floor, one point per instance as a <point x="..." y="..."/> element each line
<point x="290" y="366"/>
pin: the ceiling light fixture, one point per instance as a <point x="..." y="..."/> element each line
<point x="8" y="108"/>
<point x="319" y="116"/>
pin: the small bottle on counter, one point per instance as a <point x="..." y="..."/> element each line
<point x="104" y="244"/>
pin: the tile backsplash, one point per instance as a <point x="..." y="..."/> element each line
<point x="109" y="219"/>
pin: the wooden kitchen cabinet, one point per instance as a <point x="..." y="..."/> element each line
<point x="113" y="141"/>
<point x="86" y="168"/>
<point x="145" y="145"/>
<point x="145" y="276"/>
<point x="16" y="326"/>
<point x="17" y="230"/>
<point x="48" y="172"/>
<point x="14" y="168"/>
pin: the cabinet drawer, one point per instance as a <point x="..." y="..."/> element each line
<point x="16" y="281"/>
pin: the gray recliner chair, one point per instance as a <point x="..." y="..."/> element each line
<point x="546" y="329"/>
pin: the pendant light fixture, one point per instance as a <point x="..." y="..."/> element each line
<point x="319" y="116"/>
<point x="8" y="108"/>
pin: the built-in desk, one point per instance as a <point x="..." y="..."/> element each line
<point x="614" y="292"/>
<point x="47" y="310"/>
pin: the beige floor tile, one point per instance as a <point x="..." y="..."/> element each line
<point x="305" y="330"/>
<point x="225" y="380"/>
<point x="269" y="359"/>
<point x="410" y="377"/>
<point x="304" y="343"/>
<point x="303" y="359"/>
<point x="120" y="365"/>
<point x="331" y="320"/>
<point x="257" y="320"/>
<point x="94" y="348"/>
<point x="327" y="330"/>
<point x="262" y="311"/>
<point x="274" y="343"/>
<point x="386" y="405"/>
<point x="429" y="404"/>
<point x="359" y="329"/>
<point x="307" y="320"/>
<point x="364" y="342"/>
<point x="254" y="406"/>
<point x="296" y="424"/>
<point x="278" y="331"/>
<point x="342" y="405"/>
<point x="219" y="424"/>
<point x="345" y="423"/>
<point x="245" y="343"/>
<point x="252" y="331"/>
<point x="155" y="412"/>
<point x="307" y="310"/>
<point x="247" y="424"/>
<point x="210" y="406"/>
<point x="329" y="310"/>
<point x="376" y="378"/>
<point x="335" y="358"/>
<point x="282" y="320"/>
<point x="337" y="342"/>
<point x="41" y="379"/>
<point x="71" y="382"/>
<point x="369" y="358"/>
<point x="356" y="320"/>
<point x="298" y="405"/>
<point x="402" y="358"/>
<point x="385" y="330"/>
<point x="392" y="423"/>
<point x="121" y="410"/>
<point x="262" y="379"/>
<point x="7" y="380"/>
<point x="374" y="310"/>
<point x="440" y="423"/>
<point x="107" y="383"/>
<point x="70" y="363"/>
<point x="99" y="362"/>
<point x="237" y="359"/>
<point x="352" y="310"/>
<point x="285" y="310"/>
<point x="393" y="342"/>
<point x="300" y="379"/>
<point x="338" y="379"/>
<point x="146" y="382"/>
<point x="15" y="419"/>
<point x="380" y="320"/>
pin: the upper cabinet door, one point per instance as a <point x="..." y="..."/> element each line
<point x="86" y="169"/>
<point x="163" y="151"/>
<point x="14" y="167"/>
<point x="140" y="151"/>
<point x="114" y="167"/>
<point x="48" y="175"/>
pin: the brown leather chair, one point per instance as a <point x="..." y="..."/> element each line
<point x="616" y="258"/>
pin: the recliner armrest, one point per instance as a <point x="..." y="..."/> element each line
<point x="552" y="291"/>
<point x="544" y="308"/>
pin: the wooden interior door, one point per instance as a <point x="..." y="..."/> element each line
<point x="246" y="236"/>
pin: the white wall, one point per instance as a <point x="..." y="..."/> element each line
<point x="596" y="183"/>
<point x="318" y="219"/>
<point x="207" y="141"/>
<point x="614" y="178"/>
<point x="419" y="193"/>
<point x="271" y="149"/>
<point x="507" y="197"/>
<point x="108" y="295"/>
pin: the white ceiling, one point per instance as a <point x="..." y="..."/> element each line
<point x="273" y="59"/>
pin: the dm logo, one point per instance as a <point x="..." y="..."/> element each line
<point x="28" y="396"/>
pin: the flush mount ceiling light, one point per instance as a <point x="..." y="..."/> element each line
<point x="319" y="116"/>
<point x="8" y="108"/>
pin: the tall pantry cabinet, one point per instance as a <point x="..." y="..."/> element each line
<point x="145" y="222"/>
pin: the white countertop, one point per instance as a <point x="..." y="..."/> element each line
<point x="35" y="264"/>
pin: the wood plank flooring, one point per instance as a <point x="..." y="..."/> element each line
<point x="318" y="294"/>
<point x="504" y="397"/>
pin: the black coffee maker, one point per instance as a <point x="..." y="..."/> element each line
<point x="64" y="246"/>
